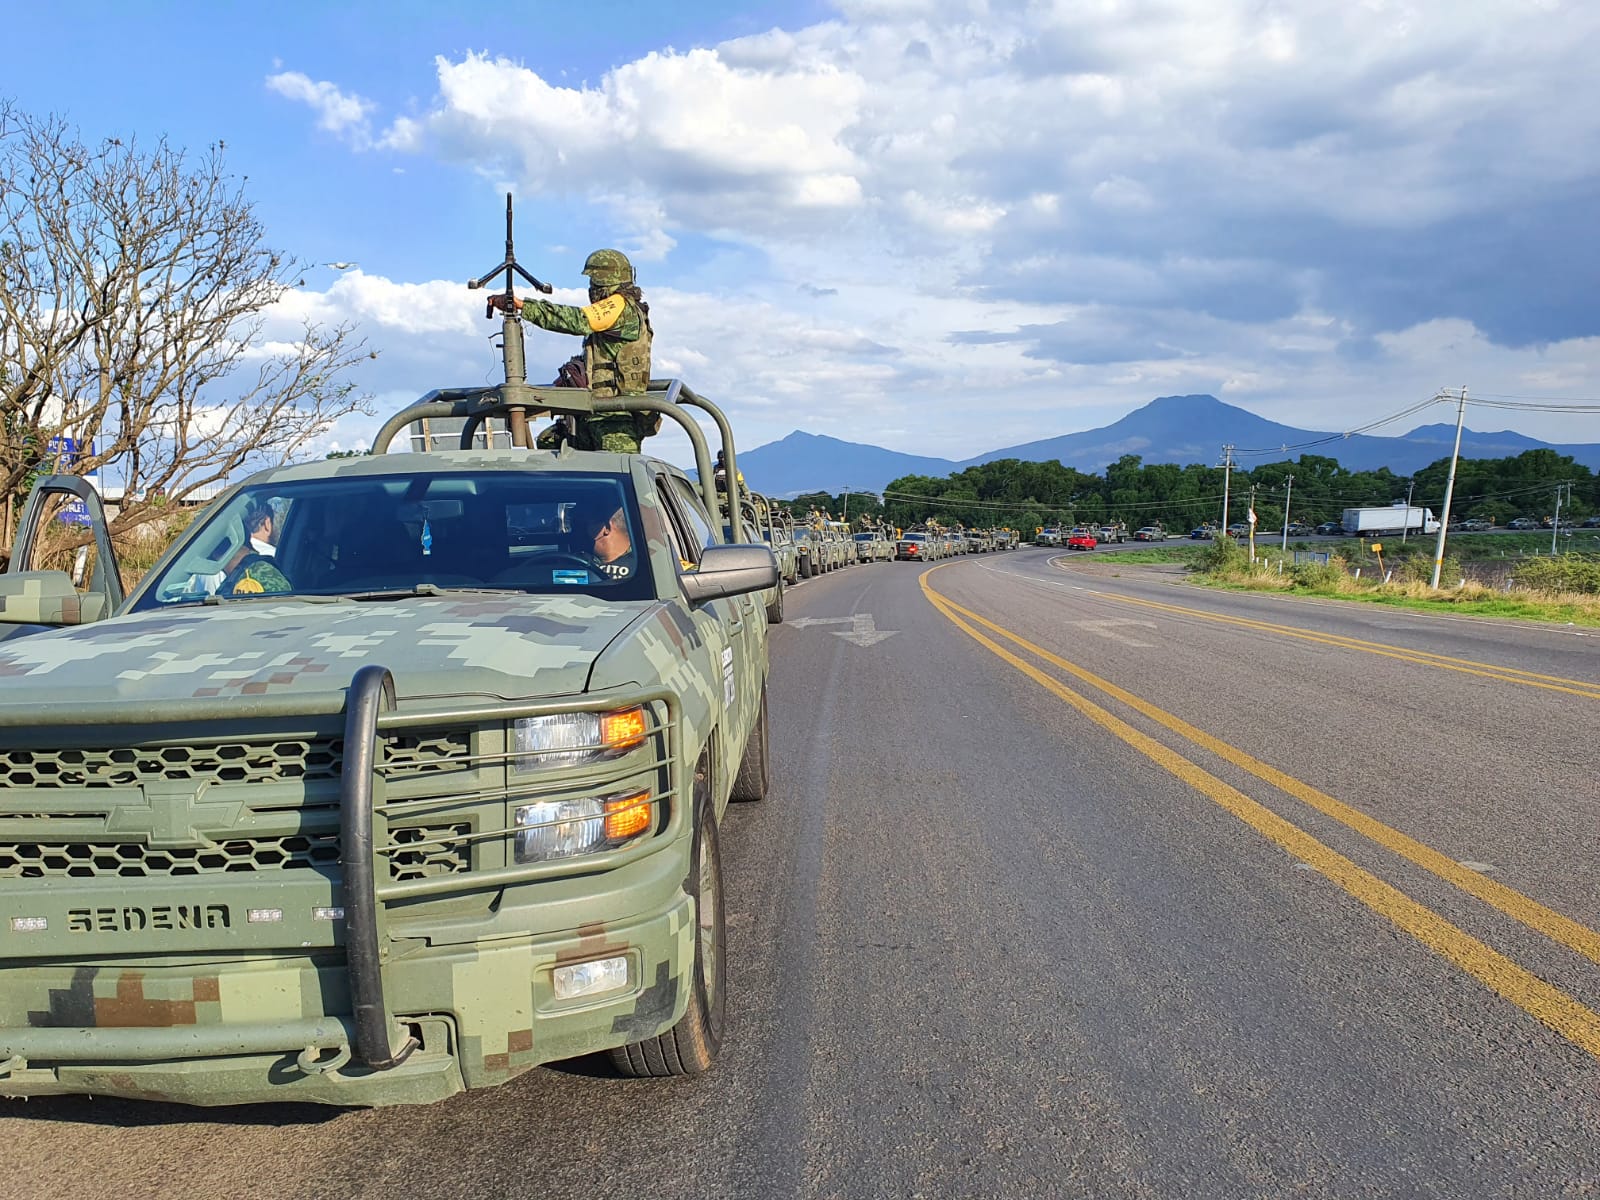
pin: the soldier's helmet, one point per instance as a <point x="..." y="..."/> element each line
<point x="608" y="268"/>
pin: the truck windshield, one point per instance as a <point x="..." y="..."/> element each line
<point x="371" y="537"/>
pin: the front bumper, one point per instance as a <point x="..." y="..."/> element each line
<point x="480" y="1013"/>
<point x="351" y="989"/>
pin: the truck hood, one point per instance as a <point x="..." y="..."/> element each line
<point x="269" y="657"/>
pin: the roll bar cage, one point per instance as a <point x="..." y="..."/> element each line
<point x="513" y="400"/>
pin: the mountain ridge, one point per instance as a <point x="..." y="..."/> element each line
<point x="1176" y="429"/>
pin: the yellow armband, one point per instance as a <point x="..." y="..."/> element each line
<point x="603" y="314"/>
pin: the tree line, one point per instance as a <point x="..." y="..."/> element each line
<point x="1027" y="495"/>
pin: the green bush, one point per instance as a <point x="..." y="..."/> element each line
<point x="1567" y="573"/>
<point x="1318" y="575"/>
<point x="1224" y="556"/>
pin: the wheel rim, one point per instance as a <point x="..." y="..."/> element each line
<point x="707" y="918"/>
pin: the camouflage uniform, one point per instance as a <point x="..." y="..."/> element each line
<point x="616" y="348"/>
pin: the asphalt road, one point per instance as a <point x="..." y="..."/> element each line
<point x="1151" y="892"/>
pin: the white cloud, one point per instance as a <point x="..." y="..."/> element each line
<point x="338" y="112"/>
<point x="702" y="139"/>
<point x="1326" y="207"/>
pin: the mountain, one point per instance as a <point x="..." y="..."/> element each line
<point x="1175" y="429"/>
<point x="813" y="462"/>
<point x="1193" y="429"/>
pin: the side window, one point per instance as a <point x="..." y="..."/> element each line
<point x="679" y="531"/>
<point x="689" y="502"/>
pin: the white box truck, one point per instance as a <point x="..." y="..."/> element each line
<point x="1392" y="519"/>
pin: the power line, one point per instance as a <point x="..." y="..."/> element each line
<point x="1585" y="403"/>
<point x="1350" y="433"/>
<point x="1535" y="407"/>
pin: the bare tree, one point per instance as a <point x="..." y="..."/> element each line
<point x="135" y="286"/>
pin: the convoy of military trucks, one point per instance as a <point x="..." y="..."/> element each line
<point x="419" y="793"/>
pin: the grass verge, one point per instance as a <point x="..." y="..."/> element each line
<point x="1227" y="565"/>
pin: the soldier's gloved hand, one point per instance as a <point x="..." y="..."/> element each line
<point x="505" y="302"/>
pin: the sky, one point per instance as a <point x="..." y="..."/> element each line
<point x="938" y="226"/>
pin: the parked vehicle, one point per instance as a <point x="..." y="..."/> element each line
<point x="913" y="546"/>
<point x="810" y="558"/>
<point x="1330" y="529"/>
<point x="421" y="792"/>
<point x="1081" y="539"/>
<point x="1522" y="523"/>
<point x="1202" y="533"/>
<point x="1150" y="533"/>
<point x="1239" y="529"/>
<point x="872" y="546"/>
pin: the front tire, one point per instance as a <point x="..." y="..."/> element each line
<point x="691" y="1045"/>
<point x="755" y="772"/>
<point x="775" y="609"/>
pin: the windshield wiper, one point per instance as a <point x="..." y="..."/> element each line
<point x="297" y="597"/>
<point x="431" y="589"/>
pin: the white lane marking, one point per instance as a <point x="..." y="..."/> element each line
<point x="863" y="629"/>
<point x="1109" y="629"/>
<point x="1473" y="865"/>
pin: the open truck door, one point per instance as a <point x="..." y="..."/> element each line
<point x="33" y="600"/>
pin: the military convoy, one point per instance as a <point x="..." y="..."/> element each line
<point x="418" y="793"/>
<point x="422" y="795"/>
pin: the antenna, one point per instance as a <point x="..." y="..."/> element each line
<point x="510" y="266"/>
<point x="514" y="392"/>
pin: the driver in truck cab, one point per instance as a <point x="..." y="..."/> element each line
<point x="613" y="548"/>
<point x="260" y="528"/>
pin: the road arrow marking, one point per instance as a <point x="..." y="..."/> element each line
<point x="863" y="629"/>
<point x="1108" y="629"/>
<point x="864" y="632"/>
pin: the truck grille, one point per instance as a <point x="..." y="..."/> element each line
<point x="129" y="766"/>
<point x="92" y="860"/>
<point x="421" y="852"/>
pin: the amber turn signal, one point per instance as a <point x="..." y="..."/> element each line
<point x="624" y="729"/>
<point x="627" y="816"/>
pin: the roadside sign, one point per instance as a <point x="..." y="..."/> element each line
<point x="74" y="512"/>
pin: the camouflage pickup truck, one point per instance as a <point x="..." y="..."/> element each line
<point x="419" y="794"/>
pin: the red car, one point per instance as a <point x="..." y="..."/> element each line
<point x="1081" y="540"/>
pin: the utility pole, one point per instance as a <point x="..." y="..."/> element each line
<point x="1405" y="526"/>
<point x="1288" y="492"/>
<point x="1449" y="490"/>
<point x="1227" y="474"/>
<point x="1251" y="513"/>
<point x="1555" y="525"/>
<point x="847" y="506"/>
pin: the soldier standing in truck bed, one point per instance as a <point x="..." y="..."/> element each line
<point x="615" y="327"/>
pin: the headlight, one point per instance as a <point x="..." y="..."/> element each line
<point x="566" y="739"/>
<point x="566" y="828"/>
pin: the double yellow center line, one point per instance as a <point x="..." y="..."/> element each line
<point x="1426" y="658"/>
<point x="1550" y="1005"/>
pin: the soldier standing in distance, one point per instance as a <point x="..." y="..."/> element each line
<point x="615" y="327"/>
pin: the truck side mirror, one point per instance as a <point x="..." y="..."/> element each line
<point x="730" y="571"/>
<point x="47" y="598"/>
